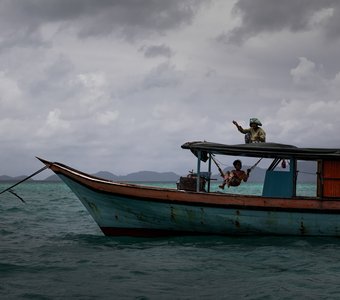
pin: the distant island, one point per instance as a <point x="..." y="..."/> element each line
<point x="142" y="176"/>
<point x="307" y="173"/>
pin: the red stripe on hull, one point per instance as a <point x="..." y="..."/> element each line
<point x="145" y="232"/>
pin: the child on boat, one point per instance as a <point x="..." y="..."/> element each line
<point x="235" y="177"/>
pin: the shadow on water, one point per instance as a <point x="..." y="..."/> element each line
<point x="100" y="240"/>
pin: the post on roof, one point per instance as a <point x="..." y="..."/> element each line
<point x="209" y="172"/>
<point x="198" y="180"/>
<point x="293" y="165"/>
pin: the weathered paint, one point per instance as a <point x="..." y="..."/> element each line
<point x="124" y="215"/>
<point x="127" y="209"/>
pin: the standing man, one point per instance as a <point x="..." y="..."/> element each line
<point x="254" y="134"/>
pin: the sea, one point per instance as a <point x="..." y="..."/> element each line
<point x="50" y="248"/>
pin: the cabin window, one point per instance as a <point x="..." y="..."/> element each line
<point x="306" y="180"/>
<point x="289" y="178"/>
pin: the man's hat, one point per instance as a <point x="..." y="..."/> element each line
<point x="255" y="121"/>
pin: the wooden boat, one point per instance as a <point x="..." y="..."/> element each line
<point x="123" y="209"/>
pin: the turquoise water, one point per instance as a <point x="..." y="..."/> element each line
<point x="50" y="248"/>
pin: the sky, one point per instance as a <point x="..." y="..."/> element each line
<point x="120" y="85"/>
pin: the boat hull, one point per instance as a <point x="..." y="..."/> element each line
<point x="131" y="210"/>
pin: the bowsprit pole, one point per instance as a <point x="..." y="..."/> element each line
<point x="10" y="188"/>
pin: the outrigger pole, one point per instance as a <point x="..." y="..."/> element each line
<point x="10" y="188"/>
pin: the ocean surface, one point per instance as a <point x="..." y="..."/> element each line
<point x="50" y="248"/>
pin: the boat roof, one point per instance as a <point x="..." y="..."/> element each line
<point x="266" y="150"/>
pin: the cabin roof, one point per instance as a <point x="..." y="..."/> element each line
<point x="266" y="150"/>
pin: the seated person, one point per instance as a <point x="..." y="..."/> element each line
<point x="235" y="177"/>
<point x="254" y="134"/>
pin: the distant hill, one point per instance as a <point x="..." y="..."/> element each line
<point x="52" y="178"/>
<point x="150" y="176"/>
<point x="137" y="176"/>
<point x="5" y="178"/>
<point x="106" y="175"/>
<point x="307" y="173"/>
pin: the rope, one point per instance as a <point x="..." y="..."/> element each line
<point x="10" y="188"/>
<point x="216" y="161"/>
<point x="253" y="167"/>
<point x="310" y="173"/>
<point x="16" y="195"/>
<point x="221" y="163"/>
<point x="218" y="167"/>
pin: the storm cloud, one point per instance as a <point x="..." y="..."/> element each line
<point x="266" y="16"/>
<point x="120" y="85"/>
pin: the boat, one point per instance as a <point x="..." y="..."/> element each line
<point x="127" y="209"/>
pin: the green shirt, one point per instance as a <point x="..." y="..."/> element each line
<point x="258" y="135"/>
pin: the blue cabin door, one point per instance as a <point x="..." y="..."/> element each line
<point x="279" y="183"/>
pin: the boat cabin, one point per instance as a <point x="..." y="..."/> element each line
<point x="277" y="183"/>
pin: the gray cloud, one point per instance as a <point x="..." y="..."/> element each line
<point x="21" y="21"/>
<point x="157" y="50"/>
<point x="261" y="16"/>
<point x="164" y="75"/>
<point x="75" y="89"/>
